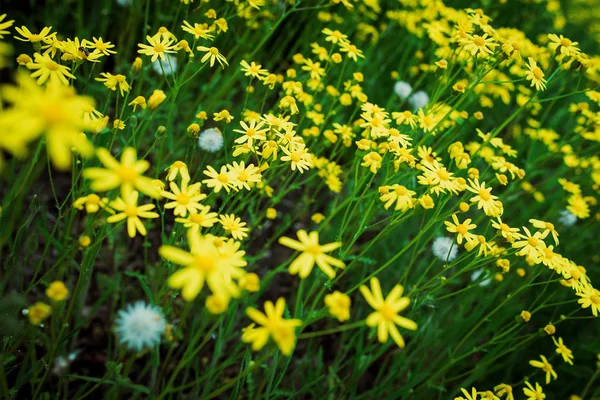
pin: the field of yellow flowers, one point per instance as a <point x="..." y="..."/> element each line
<point x="299" y="199"/>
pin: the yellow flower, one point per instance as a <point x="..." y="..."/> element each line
<point x="533" y="394"/>
<point x="137" y="64"/>
<point x="156" y="99"/>
<point x="242" y="175"/>
<point x="24" y="59"/>
<point x="29" y="36"/>
<point x="204" y="218"/>
<point x="351" y="50"/>
<point x="92" y="202"/>
<point x="508" y="233"/>
<point x="212" y="54"/>
<point x="373" y="161"/>
<point x="46" y="68"/>
<point x="562" y="45"/>
<point x="299" y="157"/>
<point x="38" y="312"/>
<point x="525" y="316"/>
<point x="563" y="350"/>
<point x="203" y="263"/>
<point x="130" y="210"/>
<point x="84" y="241"/>
<point x="219" y="180"/>
<point x="184" y="198"/>
<point x="546" y="367"/>
<point x="312" y="252"/>
<point x="530" y="246"/>
<point x="127" y="174"/>
<point x="317" y="218"/>
<point x="468" y="396"/>
<point x="338" y="305"/>
<point x="159" y="45"/>
<point x="590" y="297"/>
<point x="57" y="291"/>
<point x="5" y="25"/>
<point x="250" y="282"/>
<point x="139" y="101"/>
<point x="426" y="201"/>
<point x="548" y="228"/>
<point x="251" y="132"/>
<point x="101" y="46"/>
<point x="484" y="199"/>
<point x="273" y="325"/>
<point x="234" y="226"/>
<point x="223" y="115"/>
<point x="271" y="213"/>
<point x="535" y="75"/>
<point x="461" y="229"/>
<point x="111" y="81"/>
<point x="253" y="69"/>
<point x="397" y="194"/>
<point x="476" y="44"/>
<point x="216" y="304"/>
<point x="504" y="389"/>
<point x="54" y="110"/>
<point x="386" y="317"/>
<point x="178" y="168"/>
<point x="198" y="30"/>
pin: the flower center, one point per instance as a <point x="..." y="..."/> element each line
<point x="223" y="178"/>
<point x="484" y="195"/>
<point x="443" y="175"/>
<point x="461" y="229"/>
<point x="52" y="66"/>
<point x="243" y="176"/>
<point x="295" y="157"/>
<point x="313" y="249"/>
<point x="400" y="191"/>
<point x="197" y="218"/>
<point x="127" y="174"/>
<point x="387" y="312"/>
<point x="595" y="299"/>
<point x="35" y="38"/>
<point x="549" y="226"/>
<point x="532" y="241"/>
<point x="205" y="263"/>
<point x="565" y="42"/>
<point x="214" y="51"/>
<point x="537" y="72"/>
<point x="159" y="48"/>
<point x="130" y="211"/>
<point x="479" y="41"/>
<point x="183" y="198"/>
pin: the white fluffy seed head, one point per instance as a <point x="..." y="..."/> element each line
<point x="124" y="2"/>
<point x="211" y="140"/>
<point x="140" y="326"/>
<point x="478" y="273"/>
<point x="443" y="249"/>
<point x="567" y="218"/>
<point x="402" y="89"/>
<point x="169" y="66"/>
<point x="418" y="99"/>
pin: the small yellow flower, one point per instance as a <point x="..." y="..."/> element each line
<point x="57" y="291"/>
<point x="546" y="367"/>
<point x="525" y="316"/>
<point x="317" y="218"/>
<point x="550" y="329"/>
<point x="386" y="317"/>
<point x="338" y="305"/>
<point x="250" y="282"/>
<point x="84" y="241"/>
<point x="216" y="304"/>
<point x="312" y="252"/>
<point x="273" y="326"/>
<point x="38" y="312"/>
<point x="271" y="213"/>
<point x="156" y="99"/>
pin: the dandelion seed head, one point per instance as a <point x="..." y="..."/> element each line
<point x="169" y="65"/>
<point x="442" y="248"/>
<point x="140" y="326"/>
<point x="418" y="99"/>
<point x="402" y="89"/>
<point x="211" y="140"/>
<point x="567" y="218"/>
